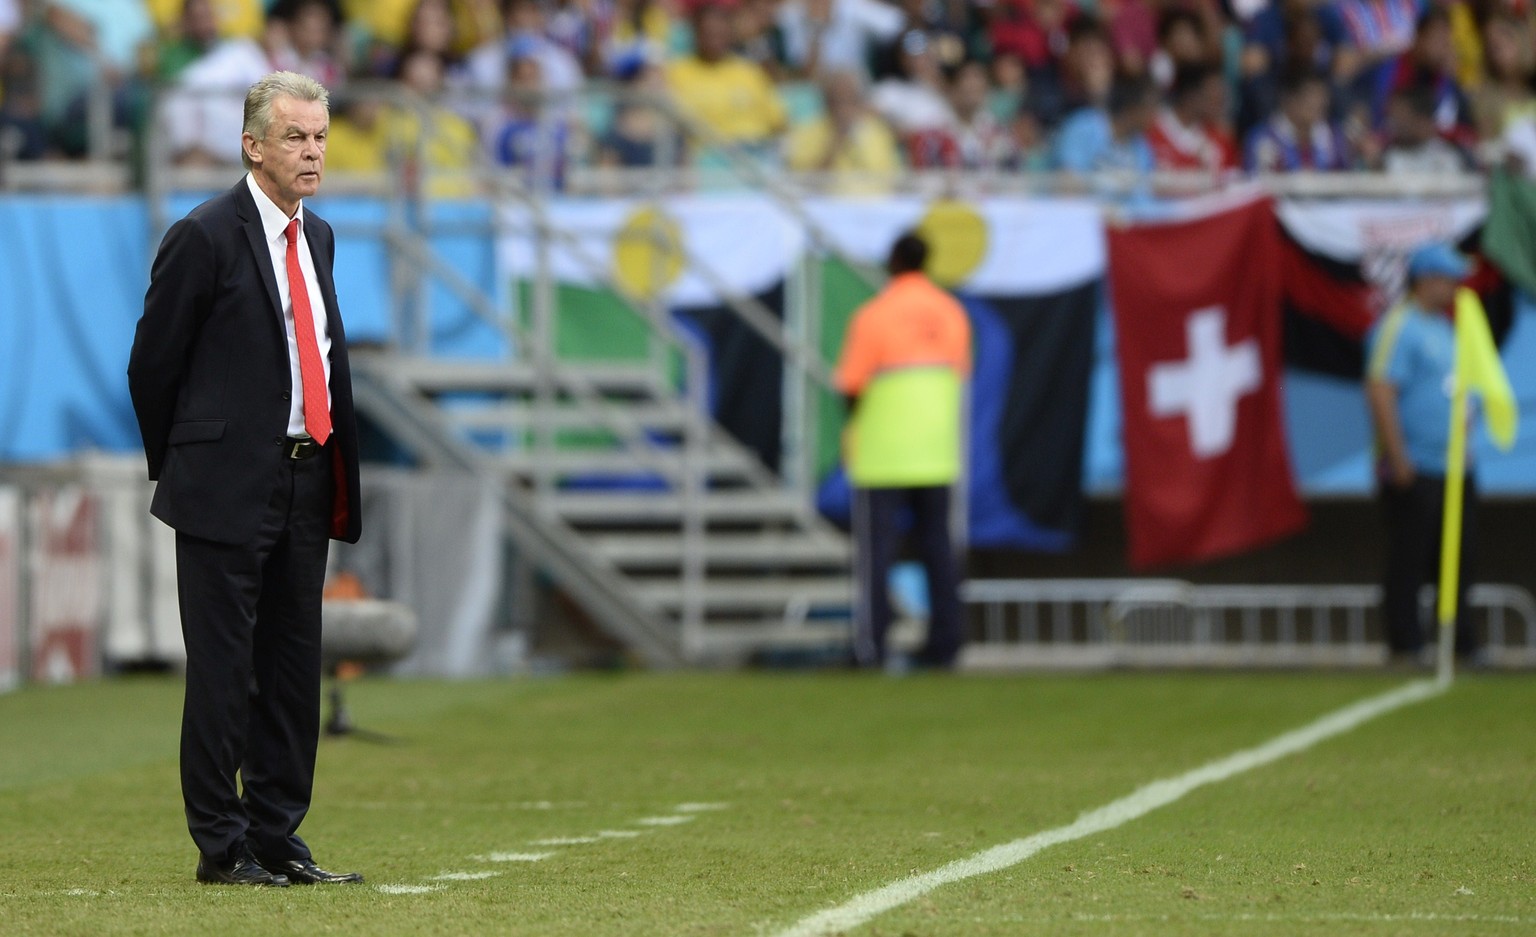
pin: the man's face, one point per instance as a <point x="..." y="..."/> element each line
<point x="1435" y="293"/>
<point x="291" y="158"/>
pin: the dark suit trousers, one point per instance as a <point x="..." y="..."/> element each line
<point x="250" y="614"/>
<point x="1414" y="517"/>
<point x="876" y="512"/>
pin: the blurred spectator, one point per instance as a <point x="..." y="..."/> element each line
<point x="640" y="134"/>
<point x="358" y="141"/>
<point x="1371" y="35"/>
<point x="1299" y="136"/>
<point x="22" y="133"/>
<point x="302" y="37"/>
<point x="1505" y="104"/>
<point x="981" y="141"/>
<point x="383" y="22"/>
<point x="433" y="29"/>
<point x="532" y="136"/>
<point x="729" y="95"/>
<point x="929" y="18"/>
<point x="847" y="142"/>
<point x="1414" y="144"/>
<point x="1113" y="137"/>
<point x="1029" y="148"/>
<point x="232" y="18"/>
<point x="578" y="26"/>
<point x="88" y="47"/>
<point x="822" y="36"/>
<point x="914" y="100"/>
<point x="1184" y="40"/>
<point x="1286" y="38"/>
<point x="525" y="36"/>
<point x="1032" y="31"/>
<point x="1082" y="79"/>
<point x="1132" y="26"/>
<point x="1191" y="131"/>
<point x="10" y="23"/>
<point x="437" y="146"/>
<point x="202" y="112"/>
<point x="757" y="36"/>
<point x="637" y="28"/>
<point x="194" y="36"/>
<point x="1431" y="64"/>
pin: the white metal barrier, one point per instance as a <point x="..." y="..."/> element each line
<point x="1096" y="623"/>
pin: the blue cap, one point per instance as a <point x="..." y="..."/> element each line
<point x="1437" y="259"/>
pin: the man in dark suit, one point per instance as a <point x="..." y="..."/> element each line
<point x="240" y="382"/>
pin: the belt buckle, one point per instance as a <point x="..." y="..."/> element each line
<point x="295" y="447"/>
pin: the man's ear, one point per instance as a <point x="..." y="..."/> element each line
<point x="252" y="147"/>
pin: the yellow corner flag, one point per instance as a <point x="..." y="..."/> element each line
<point x="1479" y="370"/>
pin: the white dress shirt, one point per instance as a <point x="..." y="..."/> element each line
<point x="274" y="225"/>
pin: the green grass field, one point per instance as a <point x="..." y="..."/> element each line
<point x="772" y="797"/>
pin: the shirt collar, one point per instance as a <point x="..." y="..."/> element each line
<point x="273" y="222"/>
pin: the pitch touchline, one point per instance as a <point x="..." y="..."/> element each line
<point x="1138" y="803"/>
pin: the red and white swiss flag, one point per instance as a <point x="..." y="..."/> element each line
<point x="1197" y="316"/>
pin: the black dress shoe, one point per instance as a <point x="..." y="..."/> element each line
<point x="305" y="872"/>
<point x="242" y="870"/>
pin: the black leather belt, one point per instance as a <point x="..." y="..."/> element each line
<point x="300" y="447"/>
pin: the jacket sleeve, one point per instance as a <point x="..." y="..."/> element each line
<point x="181" y="286"/>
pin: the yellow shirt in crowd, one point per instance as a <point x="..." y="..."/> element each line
<point x="733" y="97"/>
<point x="237" y="18"/>
<point x="451" y="146"/>
<point x="866" y="162"/>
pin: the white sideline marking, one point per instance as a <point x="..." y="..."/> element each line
<point x="464" y="876"/>
<point x="407" y="889"/>
<point x="699" y="808"/>
<point x="618" y="834"/>
<point x="1138" y="803"/>
<point x="1345" y="916"/>
<point x="563" y="841"/>
<point x="677" y="820"/>
<point x="513" y="857"/>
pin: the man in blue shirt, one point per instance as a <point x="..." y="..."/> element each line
<point x="1112" y="138"/>
<point x="1411" y="357"/>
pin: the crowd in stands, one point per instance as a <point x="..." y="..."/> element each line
<point x="858" y="89"/>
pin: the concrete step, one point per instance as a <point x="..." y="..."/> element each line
<point x="778" y="595"/>
<point x="591" y="508"/>
<point x="717" y="461"/>
<point x="523" y="416"/>
<point x="434" y="376"/>
<point x="665" y="551"/>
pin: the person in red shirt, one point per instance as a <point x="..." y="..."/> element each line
<point x="1190" y="133"/>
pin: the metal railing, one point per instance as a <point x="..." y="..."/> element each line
<point x="1169" y="622"/>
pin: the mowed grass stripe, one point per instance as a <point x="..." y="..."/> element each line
<point x="1139" y="803"/>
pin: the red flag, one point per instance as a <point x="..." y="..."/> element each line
<point x="1197" y="318"/>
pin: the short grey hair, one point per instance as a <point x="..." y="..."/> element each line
<point x="258" y="102"/>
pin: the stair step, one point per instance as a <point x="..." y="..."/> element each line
<point x="618" y="462"/>
<point x="665" y="551"/>
<point x="585" y="507"/>
<point x="520" y="416"/>
<point x="755" y="594"/>
<point x="444" y="375"/>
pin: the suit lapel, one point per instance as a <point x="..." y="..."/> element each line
<point x="257" y="235"/>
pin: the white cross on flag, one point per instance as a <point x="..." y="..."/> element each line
<point x="1197" y="317"/>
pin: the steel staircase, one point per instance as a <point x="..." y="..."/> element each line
<point x="669" y="533"/>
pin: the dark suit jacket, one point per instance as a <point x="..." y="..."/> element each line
<point x="209" y="374"/>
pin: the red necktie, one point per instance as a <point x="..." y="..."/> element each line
<point x="317" y="410"/>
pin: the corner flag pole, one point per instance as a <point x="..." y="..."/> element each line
<point x="1450" y="534"/>
<point x="1477" y="368"/>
